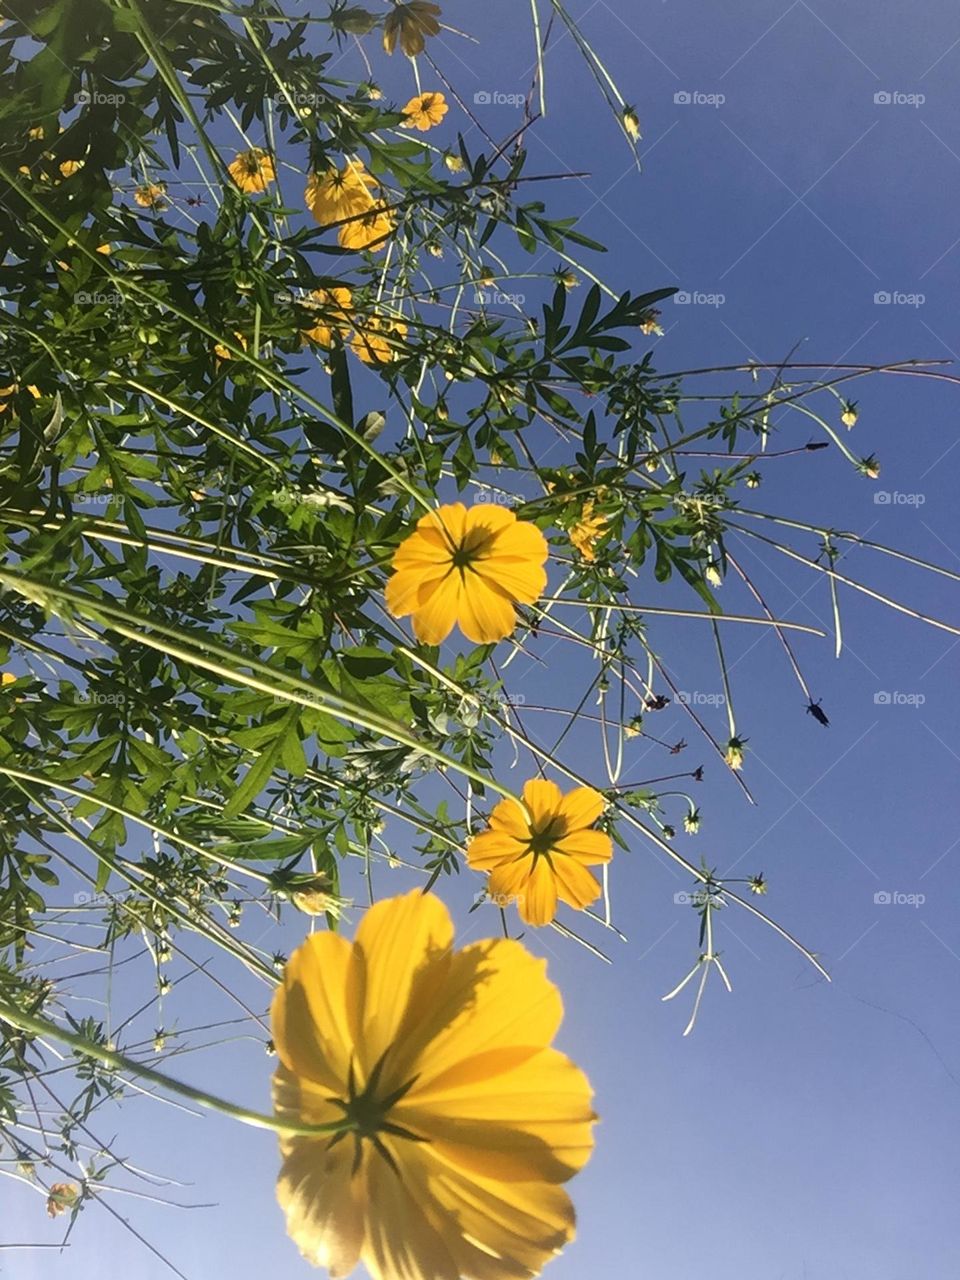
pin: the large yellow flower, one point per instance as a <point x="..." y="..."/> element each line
<point x="411" y="24"/>
<point x="461" y="1120"/>
<point x="424" y="111"/>
<point x="468" y="568"/>
<point x="252" y="170"/>
<point x="347" y="193"/>
<point x="536" y="857"/>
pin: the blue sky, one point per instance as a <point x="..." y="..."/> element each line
<point x="805" y="1131"/>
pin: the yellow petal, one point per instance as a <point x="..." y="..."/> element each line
<point x="575" y="885"/>
<point x="539" y="903"/>
<point x="437" y="616"/>
<point x="312" y="1024"/>
<point x="396" y="943"/>
<point x="486" y="614"/>
<point x="586" y="846"/>
<point x="495" y="995"/>
<point x="509" y="817"/>
<point x="581" y="807"/>
<point x="543" y="798"/>
<point x="324" y="1205"/>
<point x="489" y="848"/>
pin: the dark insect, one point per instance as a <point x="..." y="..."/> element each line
<point x="697" y="774"/>
<point x="818" y="713"/>
<point x="655" y="702"/>
<point x="678" y="747"/>
<point x="194" y="201"/>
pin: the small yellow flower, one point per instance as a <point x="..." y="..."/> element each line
<point x="36" y="133"/>
<point x="63" y="1197"/>
<point x="457" y="1121"/>
<point x="376" y="339"/>
<point x="870" y="467"/>
<point x="758" y="884"/>
<point x="650" y="323"/>
<point x="151" y="195"/>
<point x="586" y="532"/>
<point x="410" y="24"/>
<point x="467" y="568"/>
<point x="631" y="122"/>
<point x="454" y="163"/>
<point x="850" y="413"/>
<point x="336" y="304"/>
<point x="7" y="677"/>
<point x="734" y="753"/>
<point x="691" y="822"/>
<point x="252" y="170"/>
<point x="224" y="353"/>
<point x="425" y="110"/>
<point x="753" y="479"/>
<point x="713" y="575"/>
<point x="569" y="279"/>
<point x="538" y="852"/>
<point x="69" y="167"/>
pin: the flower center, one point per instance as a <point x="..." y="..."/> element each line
<point x="544" y="838"/>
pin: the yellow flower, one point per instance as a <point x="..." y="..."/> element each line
<point x="454" y="163"/>
<point x="335" y="304"/>
<point x="734" y="753"/>
<point x="7" y="677"/>
<point x="467" y="568"/>
<point x="374" y="340"/>
<point x="411" y="24"/>
<point x="536" y="857"/>
<point x="650" y="323"/>
<point x="151" y="195"/>
<point x="340" y="194"/>
<point x="850" y="414"/>
<point x="459" y="1120"/>
<point x="631" y="122"/>
<point x="586" y="531"/>
<point x="69" y="167"/>
<point x="252" y="170"/>
<point x="224" y="353"/>
<point x="425" y="110"/>
<point x="713" y="575"/>
<point x="63" y="1196"/>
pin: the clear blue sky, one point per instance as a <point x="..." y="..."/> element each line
<point x="804" y="1131"/>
